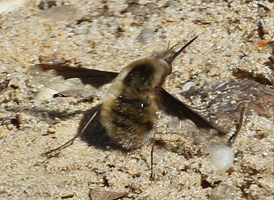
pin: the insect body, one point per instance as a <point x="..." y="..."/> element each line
<point x="129" y="107"/>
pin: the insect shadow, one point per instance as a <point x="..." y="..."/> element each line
<point x="94" y="133"/>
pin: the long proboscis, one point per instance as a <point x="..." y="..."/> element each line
<point x="173" y="56"/>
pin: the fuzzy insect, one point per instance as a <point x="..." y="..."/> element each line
<point x="128" y="109"/>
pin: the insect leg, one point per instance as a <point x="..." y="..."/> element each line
<point x="70" y="142"/>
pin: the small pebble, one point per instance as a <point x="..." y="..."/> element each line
<point x="10" y="5"/>
<point x="50" y="90"/>
<point x="51" y="131"/>
<point x="188" y="85"/>
<point x="222" y="157"/>
<point x="223" y="192"/>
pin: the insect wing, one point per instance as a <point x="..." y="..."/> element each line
<point x="174" y="107"/>
<point x="92" y="77"/>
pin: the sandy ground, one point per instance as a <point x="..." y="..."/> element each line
<point x="235" y="41"/>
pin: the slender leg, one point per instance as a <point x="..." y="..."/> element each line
<point x="70" y="142"/>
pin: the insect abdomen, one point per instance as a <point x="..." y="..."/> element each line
<point x="129" y="107"/>
<point x="128" y="121"/>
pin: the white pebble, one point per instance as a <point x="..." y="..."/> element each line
<point x="222" y="157"/>
<point x="188" y="85"/>
<point x="10" y="5"/>
<point x="50" y="90"/>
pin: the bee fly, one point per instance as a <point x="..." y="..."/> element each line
<point x="129" y="107"/>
